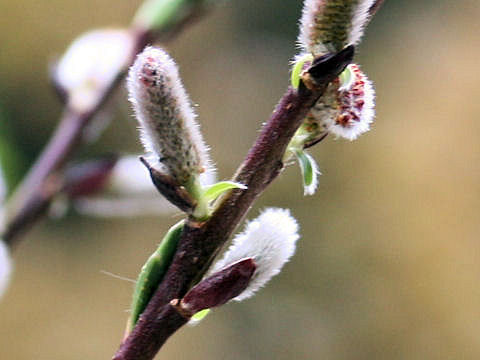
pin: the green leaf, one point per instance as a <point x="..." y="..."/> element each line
<point x="153" y="271"/>
<point x="298" y="68"/>
<point x="309" y="170"/>
<point x="215" y="190"/>
<point x="306" y="167"/>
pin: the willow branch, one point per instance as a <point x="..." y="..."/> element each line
<point x="200" y="242"/>
<point x="34" y="195"/>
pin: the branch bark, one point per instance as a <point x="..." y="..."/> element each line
<point x="200" y="242"/>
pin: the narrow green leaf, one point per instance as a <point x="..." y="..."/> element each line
<point x="309" y="170"/>
<point x="306" y="167"/>
<point x="153" y="271"/>
<point x="215" y="190"/>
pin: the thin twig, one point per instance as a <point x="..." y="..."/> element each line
<point x="200" y="242"/>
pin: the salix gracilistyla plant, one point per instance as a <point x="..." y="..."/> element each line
<point x="347" y="107"/>
<point x="327" y="96"/>
<point x="181" y="278"/>
<point x="177" y="158"/>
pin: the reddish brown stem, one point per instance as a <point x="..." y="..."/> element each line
<point x="200" y="242"/>
<point x="167" y="320"/>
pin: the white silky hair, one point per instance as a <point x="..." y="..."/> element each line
<point x="361" y="17"/>
<point x="311" y="8"/>
<point x="270" y="240"/>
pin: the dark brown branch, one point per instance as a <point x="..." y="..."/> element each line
<point x="167" y="321"/>
<point x="214" y="291"/>
<point x="200" y="242"/>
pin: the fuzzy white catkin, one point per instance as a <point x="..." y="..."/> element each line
<point x="91" y="63"/>
<point x="5" y="267"/>
<point x="168" y="128"/>
<point x="330" y="25"/>
<point x="270" y="240"/>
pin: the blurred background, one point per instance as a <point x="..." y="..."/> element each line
<point x="388" y="265"/>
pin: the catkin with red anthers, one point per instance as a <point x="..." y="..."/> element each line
<point x="168" y="128"/>
<point x="345" y="110"/>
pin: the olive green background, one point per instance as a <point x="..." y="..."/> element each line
<point x="388" y="266"/>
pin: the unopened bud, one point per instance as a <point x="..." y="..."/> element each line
<point x="269" y="240"/>
<point x="220" y="287"/>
